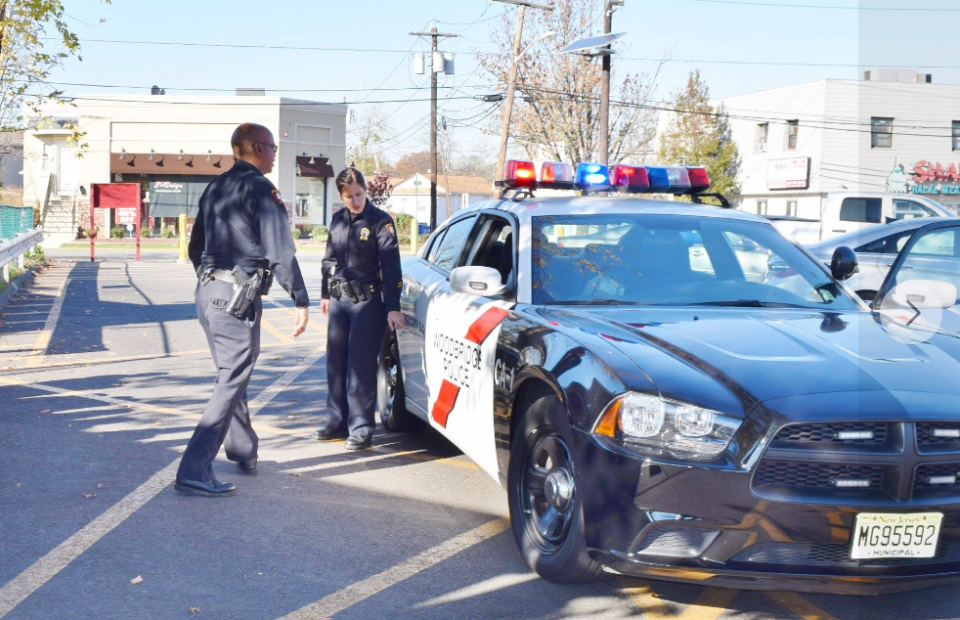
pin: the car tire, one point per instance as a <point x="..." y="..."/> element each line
<point x="391" y="402"/>
<point x="548" y="524"/>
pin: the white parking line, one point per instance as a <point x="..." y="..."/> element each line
<point x="47" y="567"/>
<point x="361" y="590"/>
<point x="43" y="340"/>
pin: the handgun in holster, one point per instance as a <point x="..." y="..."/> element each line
<point x="245" y="291"/>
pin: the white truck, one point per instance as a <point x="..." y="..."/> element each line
<point x="848" y="211"/>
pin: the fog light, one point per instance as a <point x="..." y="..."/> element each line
<point x="853" y="435"/>
<point x="850" y="484"/>
<point x="944" y="480"/>
<point x="952" y="433"/>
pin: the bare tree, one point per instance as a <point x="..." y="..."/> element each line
<point x="559" y="116"/>
<point x="369" y="127"/>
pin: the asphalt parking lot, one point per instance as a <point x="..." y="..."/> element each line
<point x="103" y="373"/>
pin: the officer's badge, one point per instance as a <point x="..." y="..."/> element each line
<point x="276" y="196"/>
<point x="364" y="234"/>
<point x="389" y="227"/>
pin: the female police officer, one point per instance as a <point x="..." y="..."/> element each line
<point x="361" y="296"/>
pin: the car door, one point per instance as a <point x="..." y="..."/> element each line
<point x="424" y="280"/>
<point x="461" y="344"/>
<point x="875" y="259"/>
<point x="919" y="296"/>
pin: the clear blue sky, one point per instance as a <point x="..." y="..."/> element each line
<point x="701" y="30"/>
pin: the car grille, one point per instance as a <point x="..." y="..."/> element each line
<point x="865" y="460"/>
<point x="831" y="433"/>
<point x="928" y="441"/>
<point x="799" y="554"/>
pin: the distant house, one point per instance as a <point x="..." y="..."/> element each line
<point x="11" y="159"/>
<point x="412" y="196"/>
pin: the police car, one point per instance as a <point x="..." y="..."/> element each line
<point x="674" y="390"/>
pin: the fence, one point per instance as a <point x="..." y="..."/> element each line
<point x="15" y="221"/>
<point x="15" y="250"/>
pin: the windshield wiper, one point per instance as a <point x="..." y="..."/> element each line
<point x="747" y="303"/>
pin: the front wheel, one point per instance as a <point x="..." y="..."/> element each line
<point x="545" y="510"/>
<point x="391" y="401"/>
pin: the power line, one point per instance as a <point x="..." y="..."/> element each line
<point x="777" y="5"/>
<point x="481" y="53"/>
<point x="269" y="90"/>
<point x="290" y="103"/>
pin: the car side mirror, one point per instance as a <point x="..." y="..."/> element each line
<point x="844" y="263"/>
<point x="485" y="281"/>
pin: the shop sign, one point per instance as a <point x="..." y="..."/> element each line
<point x="792" y="173"/>
<point x="935" y="179"/>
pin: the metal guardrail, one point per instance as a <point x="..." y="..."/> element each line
<point x="15" y="250"/>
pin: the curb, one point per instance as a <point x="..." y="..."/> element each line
<point x="16" y="286"/>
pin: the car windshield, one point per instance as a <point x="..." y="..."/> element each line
<point x="652" y="259"/>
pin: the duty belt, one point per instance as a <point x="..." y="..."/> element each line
<point x="353" y="291"/>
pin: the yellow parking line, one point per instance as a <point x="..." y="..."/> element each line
<point x="279" y="335"/>
<point x="796" y="604"/>
<point x="43" y="339"/>
<point x="710" y="605"/>
<point x="364" y="589"/>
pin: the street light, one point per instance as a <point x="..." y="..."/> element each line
<point x="546" y="35"/>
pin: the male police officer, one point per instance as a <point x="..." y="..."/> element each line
<point x="361" y="272"/>
<point x="241" y="238"/>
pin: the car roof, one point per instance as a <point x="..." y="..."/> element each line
<point x="877" y="231"/>
<point x="528" y="208"/>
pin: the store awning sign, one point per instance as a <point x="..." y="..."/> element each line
<point x="935" y="179"/>
<point x="792" y="173"/>
<point x="171" y="198"/>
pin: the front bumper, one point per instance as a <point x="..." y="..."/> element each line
<point x="709" y="525"/>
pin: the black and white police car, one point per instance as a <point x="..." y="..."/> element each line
<point x="676" y="390"/>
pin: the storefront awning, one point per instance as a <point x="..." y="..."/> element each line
<point x="319" y="168"/>
<point x="171" y="198"/>
<point x="167" y="163"/>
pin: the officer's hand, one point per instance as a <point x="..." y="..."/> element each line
<point x="325" y="307"/>
<point x="301" y="320"/>
<point x="395" y="320"/>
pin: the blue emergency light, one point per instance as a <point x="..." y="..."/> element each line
<point x="592" y="176"/>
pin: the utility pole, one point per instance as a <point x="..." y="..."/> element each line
<point x="606" y="52"/>
<point x="434" y="35"/>
<point x="512" y="79"/>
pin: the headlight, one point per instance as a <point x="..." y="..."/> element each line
<point x="670" y="425"/>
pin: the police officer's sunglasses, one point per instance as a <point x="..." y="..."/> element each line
<point x="272" y="146"/>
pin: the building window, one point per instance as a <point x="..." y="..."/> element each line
<point x="761" y="207"/>
<point x="792" y="208"/>
<point x="881" y="133"/>
<point x="793" y="130"/>
<point x="956" y="135"/>
<point x="763" y="132"/>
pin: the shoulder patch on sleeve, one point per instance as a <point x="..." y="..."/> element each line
<point x="390" y="230"/>
<point x="276" y="195"/>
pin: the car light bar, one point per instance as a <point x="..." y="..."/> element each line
<point x="853" y="435"/>
<point x="850" y="484"/>
<point x="942" y="480"/>
<point x="952" y="433"/>
<point x="598" y="177"/>
<point x="518" y="173"/>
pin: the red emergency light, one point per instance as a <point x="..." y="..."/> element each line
<point x="630" y="178"/>
<point x="519" y="173"/>
<point x="556" y="175"/>
<point x="699" y="180"/>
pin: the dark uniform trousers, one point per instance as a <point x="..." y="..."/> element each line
<point x="354" y="334"/>
<point x="235" y="346"/>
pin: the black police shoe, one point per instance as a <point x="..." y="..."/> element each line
<point x="358" y="442"/>
<point x="206" y="488"/>
<point x="248" y="467"/>
<point x="329" y="434"/>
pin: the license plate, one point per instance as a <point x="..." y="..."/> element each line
<point x="895" y="535"/>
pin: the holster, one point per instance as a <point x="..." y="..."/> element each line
<point x="245" y="291"/>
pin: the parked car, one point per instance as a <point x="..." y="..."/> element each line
<point x="848" y="211"/>
<point x="666" y="415"/>
<point x="876" y="247"/>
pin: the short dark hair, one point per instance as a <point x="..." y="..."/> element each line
<point x="246" y="135"/>
<point x="349" y="176"/>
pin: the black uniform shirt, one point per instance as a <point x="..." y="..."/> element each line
<point x="242" y="221"/>
<point x="364" y="247"/>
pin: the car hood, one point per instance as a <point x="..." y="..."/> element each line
<point x="764" y="354"/>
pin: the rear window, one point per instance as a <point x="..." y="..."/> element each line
<point x="864" y="210"/>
